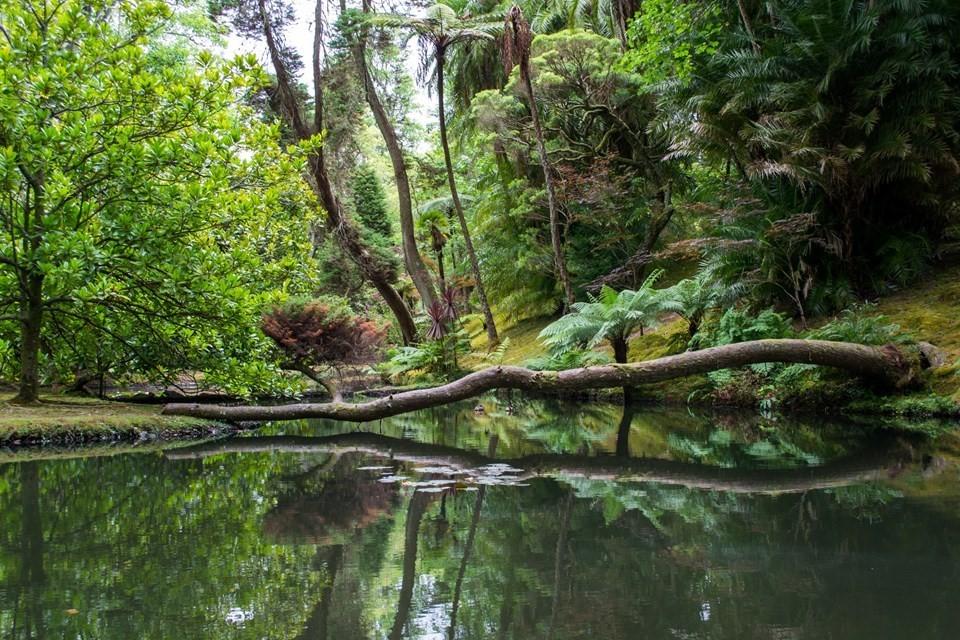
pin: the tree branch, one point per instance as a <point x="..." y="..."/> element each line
<point x="887" y="365"/>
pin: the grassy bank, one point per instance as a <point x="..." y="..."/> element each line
<point x="66" y="420"/>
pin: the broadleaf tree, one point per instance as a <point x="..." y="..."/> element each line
<point x="138" y="209"/>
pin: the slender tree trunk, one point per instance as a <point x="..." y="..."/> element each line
<point x="411" y="255"/>
<point x="440" y="273"/>
<point x="889" y="366"/>
<point x="621" y="349"/>
<point x="346" y="233"/>
<point x="31" y="323"/>
<point x="492" y="336"/>
<point x="556" y="240"/>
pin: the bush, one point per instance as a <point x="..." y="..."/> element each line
<point x="855" y="325"/>
<point x="323" y="332"/>
<point x="739" y="325"/>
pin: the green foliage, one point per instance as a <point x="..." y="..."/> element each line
<point x="610" y="317"/>
<point x="370" y="202"/>
<point x="861" y="324"/>
<point x="692" y="298"/>
<point x="568" y="359"/>
<point x="846" y="111"/>
<point x="740" y="325"/>
<point x="432" y="360"/>
<point x="667" y="40"/>
<point x="140" y="199"/>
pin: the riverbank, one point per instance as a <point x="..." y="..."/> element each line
<point x="60" y="420"/>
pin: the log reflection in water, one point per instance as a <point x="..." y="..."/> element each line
<point x="864" y="466"/>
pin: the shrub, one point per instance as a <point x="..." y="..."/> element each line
<point x="740" y="325"/>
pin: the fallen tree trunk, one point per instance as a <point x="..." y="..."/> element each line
<point x="886" y="365"/>
<point x="867" y="465"/>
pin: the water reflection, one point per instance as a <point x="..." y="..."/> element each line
<point x="607" y="525"/>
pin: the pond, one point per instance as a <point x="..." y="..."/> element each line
<point x="534" y="519"/>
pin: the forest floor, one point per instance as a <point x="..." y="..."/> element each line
<point x="63" y="420"/>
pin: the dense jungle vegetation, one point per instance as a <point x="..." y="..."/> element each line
<point x="422" y="190"/>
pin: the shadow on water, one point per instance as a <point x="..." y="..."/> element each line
<point x="533" y="519"/>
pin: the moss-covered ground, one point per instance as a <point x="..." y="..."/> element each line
<point x="75" y="419"/>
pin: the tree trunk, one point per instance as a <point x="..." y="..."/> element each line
<point x="620" y="350"/>
<point x="864" y="466"/>
<point x="31" y="323"/>
<point x="347" y="235"/>
<point x="886" y="365"/>
<point x="492" y="337"/>
<point x="411" y="255"/>
<point x="559" y="260"/>
<point x="335" y="394"/>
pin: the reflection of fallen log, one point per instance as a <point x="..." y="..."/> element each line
<point x="888" y="365"/>
<point x="870" y="465"/>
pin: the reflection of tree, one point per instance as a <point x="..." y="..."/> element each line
<point x="566" y="558"/>
<point x="558" y="560"/>
<point x="330" y="558"/>
<point x="415" y="510"/>
<point x="175" y="547"/>
<point x="623" y="431"/>
<point x="32" y="578"/>
<point x="468" y="547"/>
<point x="328" y="504"/>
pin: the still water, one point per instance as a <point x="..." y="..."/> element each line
<point x="536" y="519"/>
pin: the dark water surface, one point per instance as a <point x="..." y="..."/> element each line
<point x="535" y="520"/>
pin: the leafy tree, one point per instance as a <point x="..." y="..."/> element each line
<point x="668" y="40"/>
<point x="434" y="224"/>
<point x="516" y="51"/>
<point x="369" y="201"/>
<point x="439" y="30"/>
<point x="320" y="336"/>
<point x="364" y="57"/>
<point x="846" y="109"/>
<point x="267" y="21"/>
<point x="129" y="187"/>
